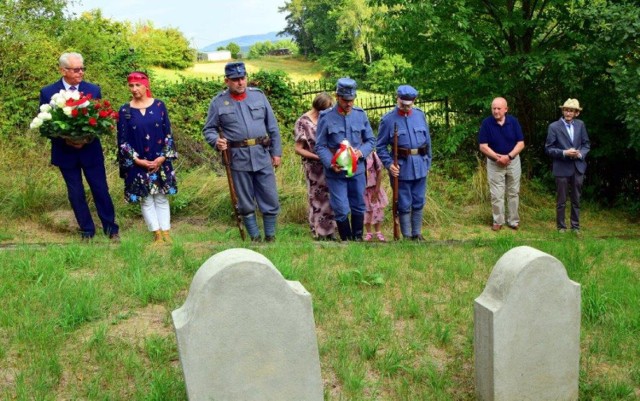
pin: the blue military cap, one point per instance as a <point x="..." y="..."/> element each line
<point x="346" y="88"/>
<point x="235" y="70"/>
<point x="407" y="93"/>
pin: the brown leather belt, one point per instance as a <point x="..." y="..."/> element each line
<point x="261" y="140"/>
<point x="404" y="152"/>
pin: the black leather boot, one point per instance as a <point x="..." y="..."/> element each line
<point x="357" y="224"/>
<point x="344" y="229"/>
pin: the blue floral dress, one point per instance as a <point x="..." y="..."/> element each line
<point x="146" y="137"/>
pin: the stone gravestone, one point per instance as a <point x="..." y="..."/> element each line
<point x="245" y="333"/>
<point x="527" y="330"/>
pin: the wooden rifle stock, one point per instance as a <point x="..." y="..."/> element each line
<point x="226" y="159"/>
<point x="396" y="217"/>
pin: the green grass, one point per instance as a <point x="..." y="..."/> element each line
<point x="297" y="68"/>
<point x="89" y="321"/>
<point x="394" y="321"/>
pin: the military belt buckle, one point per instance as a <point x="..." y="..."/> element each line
<point x="414" y="152"/>
<point x="251" y="142"/>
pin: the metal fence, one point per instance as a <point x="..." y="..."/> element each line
<point x="375" y="104"/>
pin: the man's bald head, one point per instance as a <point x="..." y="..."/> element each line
<point x="499" y="109"/>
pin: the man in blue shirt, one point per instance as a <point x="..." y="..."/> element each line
<point x="346" y="192"/>
<point x="244" y="116"/>
<point x="414" y="158"/>
<point x="501" y="140"/>
<point x="568" y="144"/>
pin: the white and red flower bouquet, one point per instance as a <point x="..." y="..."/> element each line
<point x="75" y="117"/>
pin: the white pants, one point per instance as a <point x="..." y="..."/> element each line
<point x="499" y="179"/>
<point x="156" y="212"/>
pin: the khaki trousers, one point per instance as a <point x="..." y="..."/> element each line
<point x="501" y="179"/>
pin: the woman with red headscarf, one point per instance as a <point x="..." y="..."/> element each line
<point x="145" y="153"/>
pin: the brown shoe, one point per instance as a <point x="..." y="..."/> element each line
<point x="496" y="227"/>
<point x="514" y="226"/>
<point x="166" y="236"/>
<point x="157" y="237"/>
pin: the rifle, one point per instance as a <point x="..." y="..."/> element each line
<point x="226" y="160"/>
<point x="396" y="217"/>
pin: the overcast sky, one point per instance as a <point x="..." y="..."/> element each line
<point x="201" y="21"/>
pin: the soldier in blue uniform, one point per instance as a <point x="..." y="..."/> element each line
<point x="414" y="158"/>
<point x="346" y="194"/>
<point x="249" y="127"/>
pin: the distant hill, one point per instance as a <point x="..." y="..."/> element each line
<point x="245" y="42"/>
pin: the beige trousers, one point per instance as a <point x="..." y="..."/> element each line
<point x="501" y="179"/>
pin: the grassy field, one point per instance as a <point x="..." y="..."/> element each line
<point x="298" y="69"/>
<point x="394" y="321"/>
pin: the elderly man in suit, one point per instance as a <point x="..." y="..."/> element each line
<point x="74" y="159"/>
<point x="568" y="144"/>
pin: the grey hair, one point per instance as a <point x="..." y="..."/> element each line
<point x="63" y="61"/>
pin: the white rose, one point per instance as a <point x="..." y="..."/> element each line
<point x="55" y="99"/>
<point x="35" y="123"/>
<point x="67" y="110"/>
<point x="75" y="95"/>
<point x="67" y="95"/>
<point x="45" y="108"/>
<point x="61" y="102"/>
<point x="44" y="116"/>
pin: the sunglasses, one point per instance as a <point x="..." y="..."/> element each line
<point x="76" y="70"/>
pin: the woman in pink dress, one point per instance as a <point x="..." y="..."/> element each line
<point x="374" y="198"/>
<point x="320" y="214"/>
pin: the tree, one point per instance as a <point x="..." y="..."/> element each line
<point x="167" y="48"/>
<point x="234" y="48"/>
<point x="106" y="48"/>
<point x="26" y="56"/>
<point x="535" y="53"/>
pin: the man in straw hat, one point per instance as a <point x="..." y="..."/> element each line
<point x="568" y="144"/>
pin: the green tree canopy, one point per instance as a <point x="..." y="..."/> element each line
<point x="167" y="48"/>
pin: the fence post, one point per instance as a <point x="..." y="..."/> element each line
<point x="446" y="110"/>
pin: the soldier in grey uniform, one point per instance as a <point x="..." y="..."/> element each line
<point x="250" y="130"/>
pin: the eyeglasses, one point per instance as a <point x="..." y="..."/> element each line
<point x="76" y="70"/>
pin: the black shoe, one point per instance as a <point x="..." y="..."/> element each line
<point x="344" y="228"/>
<point x="357" y="225"/>
<point x="418" y="238"/>
<point x="86" y="237"/>
<point x="115" y="237"/>
<point x="256" y="239"/>
<point x="270" y="238"/>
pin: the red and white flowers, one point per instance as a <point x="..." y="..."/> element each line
<point x="74" y="116"/>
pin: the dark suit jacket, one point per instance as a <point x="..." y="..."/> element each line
<point x="63" y="155"/>
<point x="558" y="140"/>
